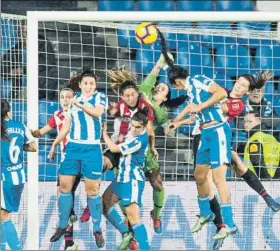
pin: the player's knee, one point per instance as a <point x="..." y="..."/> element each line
<point x="64" y="187"/>
<point x="4" y="215"/>
<point x="157" y="185"/>
<point x="92" y="191"/>
<point x="133" y="214"/>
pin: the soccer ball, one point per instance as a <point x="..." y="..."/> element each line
<point x="146" y="33"/>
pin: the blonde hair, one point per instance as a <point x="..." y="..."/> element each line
<point x="118" y="76"/>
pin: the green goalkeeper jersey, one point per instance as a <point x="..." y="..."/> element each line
<point x="160" y="112"/>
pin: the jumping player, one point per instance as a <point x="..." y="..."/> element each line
<point x="83" y="153"/>
<point x="130" y="181"/>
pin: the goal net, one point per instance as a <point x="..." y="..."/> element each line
<point x="59" y="46"/>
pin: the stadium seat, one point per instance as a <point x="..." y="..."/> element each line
<point x="276" y="104"/>
<point x="19" y="111"/>
<point x="126" y="38"/>
<point x="234" y="5"/>
<point x="6" y="88"/>
<point x="211" y="41"/>
<point x="223" y="80"/>
<point x="190" y="5"/>
<point x="46" y="109"/>
<point x="190" y="56"/>
<point x="246" y="27"/>
<point x="234" y="60"/>
<point x="146" y="57"/>
<point x="144" y="5"/>
<point x="276" y="60"/>
<point x="264" y="57"/>
<point x="269" y="90"/>
<point x="109" y="5"/>
<point x="9" y="36"/>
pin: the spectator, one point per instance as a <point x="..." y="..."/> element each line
<point x="256" y="102"/>
<point x="262" y="151"/>
<point x="13" y="66"/>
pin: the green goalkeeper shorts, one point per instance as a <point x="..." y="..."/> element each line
<point x="150" y="162"/>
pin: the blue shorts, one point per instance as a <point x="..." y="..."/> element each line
<point x="129" y="192"/>
<point x="214" y="146"/>
<point x="10" y="196"/>
<point x="84" y="159"/>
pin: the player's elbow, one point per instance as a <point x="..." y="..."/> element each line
<point x="222" y="93"/>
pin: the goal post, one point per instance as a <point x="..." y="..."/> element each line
<point x="33" y="19"/>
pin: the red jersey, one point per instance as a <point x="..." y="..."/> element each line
<point x="56" y="122"/>
<point x="125" y="113"/>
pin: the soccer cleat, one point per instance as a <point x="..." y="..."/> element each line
<point x="58" y="233"/>
<point x="157" y="223"/>
<point x="133" y="244"/>
<point x="271" y="203"/>
<point x="202" y="221"/>
<point x="99" y="240"/>
<point x="73" y="247"/>
<point x="86" y="215"/>
<point x="126" y="239"/>
<point x="218" y="244"/>
<point x="225" y="232"/>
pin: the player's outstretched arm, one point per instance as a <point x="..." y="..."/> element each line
<point x="149" y="82"/>
<point x="41" y="132"/>
<point x="109" y="142"/>
<point x="61" y="136"/>
<point x="174" y="125"/>
<point x="183" y="113"/>
<point x="219" y="94"/>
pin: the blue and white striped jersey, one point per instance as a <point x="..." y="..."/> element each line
<point x="132" y="161"/>
<point x="85" y="127"/>
<point x="12" y="152"/>
<point x="198" y="91"/>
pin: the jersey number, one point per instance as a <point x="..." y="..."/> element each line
<point x="14" y="151"/>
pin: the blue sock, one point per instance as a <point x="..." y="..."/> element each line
<point x="10" y="234"/>
<point x="3" y="238"/>
<point x="141" y="236"/>
<point x="95" y="208"/>
<point x="204" y="206"/>
<point x="65" y="203"/>
<point x="116" y="220"/>
<point x="227" y="215"/>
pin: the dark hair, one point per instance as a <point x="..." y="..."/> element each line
<point x="174" y="71"/>
<point x="126" y="85"/>
<point x="5" y="108"/>
<point x="255" y="82"/>
<point x="142" y="116"/>
<point x="87" y="73"/>
<point x="74" y="81"/>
